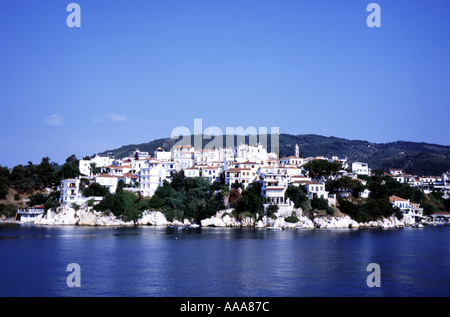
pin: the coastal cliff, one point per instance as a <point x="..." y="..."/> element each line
<point x="223" y="218"/>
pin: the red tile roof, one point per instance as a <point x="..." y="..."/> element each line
<point x="395" y="198"/>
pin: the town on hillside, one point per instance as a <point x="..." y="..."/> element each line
<point x="143" y="173"/>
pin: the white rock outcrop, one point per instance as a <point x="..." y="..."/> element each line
<point x="154" y="218"/>
<point x="89" y="217"/>
<point x="385" y="223"/>
<point x="82" y="217"/>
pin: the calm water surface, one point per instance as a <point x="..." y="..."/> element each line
<point x="161" y="261"/>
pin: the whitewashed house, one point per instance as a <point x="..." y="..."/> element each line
<point x="238" y="175"/>
<point x="30" y="215"/>
<point x="161" y="155"/>
<point x="129" y="179"/>
<point x="109" y="181"/>
<point x="316" y="189"/>
<point x="275" y="194"/>
<point x="360" y="168"/>
<point x="212" y="173"/>
<point x="192" y="172"/>
<point x="253" y="153"/>
<point x="206" y="155"/>
<point x="411" y="212"/>
<point x="155" y="174"/>
<point x="99" y="161"/>
<point x="292" y="161"/>
<point x="69" y="191"/>
<point x="184" y="156"/>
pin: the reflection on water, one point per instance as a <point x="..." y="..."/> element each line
<point x="164" y="261"/>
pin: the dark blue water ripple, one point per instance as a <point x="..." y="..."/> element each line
<point x="160" y="261"/>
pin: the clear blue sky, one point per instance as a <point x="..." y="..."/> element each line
<point x="135" y="70"/>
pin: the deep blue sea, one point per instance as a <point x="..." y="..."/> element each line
<point x="236" y="262"/>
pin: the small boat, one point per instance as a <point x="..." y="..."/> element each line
<point x="194" y="225"/>
<point x="274" y="228"/>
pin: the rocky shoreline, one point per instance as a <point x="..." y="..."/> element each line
<point x="224" y="218"/>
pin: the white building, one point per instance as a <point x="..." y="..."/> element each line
<point x="99" y="161"/>
<point x="360" y="168"/>
<point x="275" y="194"/>
<point x="69" y="191"/>
<point x="212" y="173"/>
<point x="30" y="215"/>
<point x="411" y="211"/>
<point x="316" y="189"/>
<point x="129" y="178"/>
<point x="192" y="172"/>
<point x="155" y="174"/>
<point x="109" y="181"/>
<point x="238" y="175"/>
<point x="253" y="153"/>
<point x="343" y="161"/>
<point x="292" y="160"/>
<point x="162" y="156"/>
<point x="117" y="170"/>
<point x="206" y="155"/>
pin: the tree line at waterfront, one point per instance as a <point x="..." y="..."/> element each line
<point x="196" y="198"/>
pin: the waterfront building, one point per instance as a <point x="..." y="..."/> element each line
<point x="411" y="211"/>
<point x="30" y="214"/>
<point x="69" y="191"/>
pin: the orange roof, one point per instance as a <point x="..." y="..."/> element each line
<point x="129" y="175"/>
<point x="105" y="175"/>
<point x="237" y="169"/>
<point x="395" y="198"/>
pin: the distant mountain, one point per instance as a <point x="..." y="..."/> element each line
<point x="413" y="157"/>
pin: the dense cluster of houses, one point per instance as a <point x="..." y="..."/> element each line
<point x="144" y="173"/>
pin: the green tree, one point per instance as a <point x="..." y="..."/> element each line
<point x="67" y="170"/>
<point x="319" y="203"/>
<point x="251" y="199"/>
<point x="95" y="190"/>
<point x="191" y="198"/>
<point x="45" y="173"/>
<point x="5" y="181"/>
<point x="297" y="194"/>
<point x="271" y="210"/>
<point x="319" y="168"/>
<point x="345" y="183"/>
<point x="94" y="169"/>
